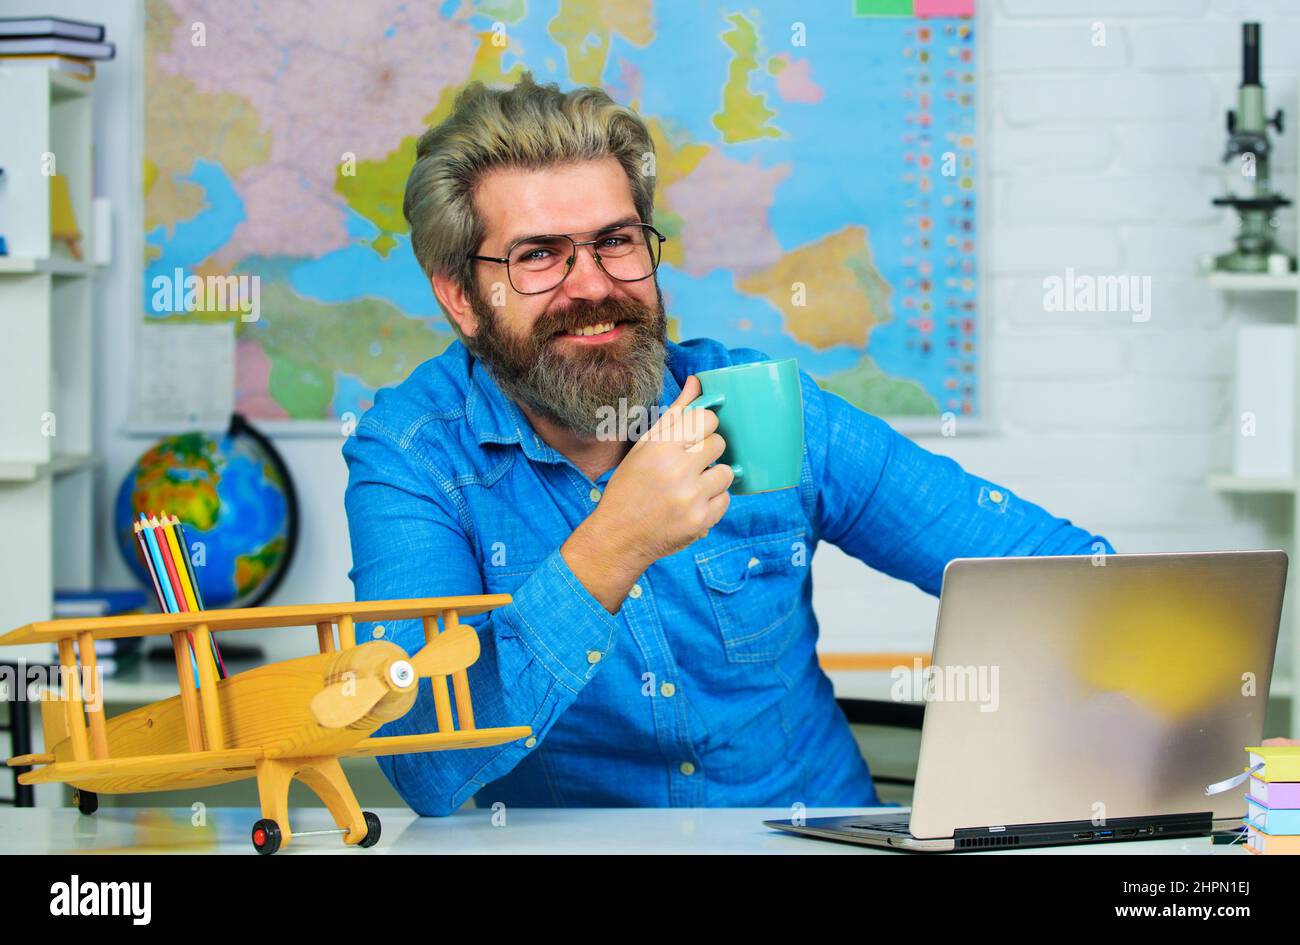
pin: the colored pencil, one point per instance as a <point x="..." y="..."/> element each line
<point x="195" y="597"/>
<point x="182" y="573"/>
<point x="183" y="540"/>
<point x="167" y="598"/>
<point x="173" y="580"/>
<point x="142" y="553"/>
<point x="152" y="540"/>
<point x="170" y="566"/>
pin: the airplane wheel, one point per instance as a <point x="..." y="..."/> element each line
<point x="87" y="801"/>
<point x="266" y="837"/>
<point x="372" y="829"/>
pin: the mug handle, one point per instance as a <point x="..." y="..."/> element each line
<point x="705" y="401"/>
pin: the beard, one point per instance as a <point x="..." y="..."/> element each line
<point x="575" y="385"/>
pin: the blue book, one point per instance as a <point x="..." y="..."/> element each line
<point x="98" y="603"/>
<point x="1276" y="821"/>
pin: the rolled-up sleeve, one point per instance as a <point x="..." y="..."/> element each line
<point x="408" y="540"/>
<point x="906" y="511"/>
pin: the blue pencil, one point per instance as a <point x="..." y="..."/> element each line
<point x="159" y="566"/>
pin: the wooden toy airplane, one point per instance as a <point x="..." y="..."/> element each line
<point x="276" y="722"/>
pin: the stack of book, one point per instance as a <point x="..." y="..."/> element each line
<point x="1273" y="800"/>
<point x="51" y="42"/>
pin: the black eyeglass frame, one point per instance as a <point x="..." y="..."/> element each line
<point x="568" y="268"/>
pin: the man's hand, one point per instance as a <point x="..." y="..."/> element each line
<point x="662" y="497"/>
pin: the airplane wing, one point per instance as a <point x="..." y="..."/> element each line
<point x="436" y="741"/>
<point x="249" y="618"/>
<point x="140" y="765"/>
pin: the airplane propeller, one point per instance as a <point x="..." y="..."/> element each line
<point x="342" y="703"/>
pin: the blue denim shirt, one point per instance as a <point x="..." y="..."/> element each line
<point x="704" y="689"/>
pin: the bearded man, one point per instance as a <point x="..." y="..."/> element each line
<point x="661" y="640"/>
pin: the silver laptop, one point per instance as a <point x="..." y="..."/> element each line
<point x="1085" y="700"/>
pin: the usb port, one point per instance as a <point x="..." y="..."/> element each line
<point x="1105" y="833"/>
<point x="1083" y="836"/>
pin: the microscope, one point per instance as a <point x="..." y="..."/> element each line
<point x="1256" y="250"/>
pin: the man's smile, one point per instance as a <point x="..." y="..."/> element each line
<point x="598" y="334"/>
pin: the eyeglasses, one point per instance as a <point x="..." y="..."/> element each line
<point x="629" y="253"/>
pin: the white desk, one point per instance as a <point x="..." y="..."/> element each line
<point x="526" y="830"/>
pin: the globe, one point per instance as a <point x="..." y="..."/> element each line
<point x="234" y="496"/>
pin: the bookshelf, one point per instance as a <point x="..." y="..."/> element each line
<point x="47" y="459"/>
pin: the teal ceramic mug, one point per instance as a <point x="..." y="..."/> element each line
<point x="760" y="416"/>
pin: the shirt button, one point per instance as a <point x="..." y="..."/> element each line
<point x="593" y="656"/>
<point x="995" y="496"/>
<point x="379" y="632"/>
<point x="635" y="592"/>
<point x="667" y="689"/>
<point x="531" y="743"/>
<point x="594" y="495"/>
<point x="753" y="563"/>
<point x="687" y="768"/>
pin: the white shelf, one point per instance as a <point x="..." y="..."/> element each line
<point x="25" y="265"/>
<point x="47" y="377"/>
<point x="64" y="86"/>
<point x="1254" y="282"/>
<point x="19" y="471"/>
<point x="1228" y="482"/>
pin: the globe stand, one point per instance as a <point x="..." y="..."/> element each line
<point x="233" y="652"/>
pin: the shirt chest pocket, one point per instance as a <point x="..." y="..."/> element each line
<point x="506" y="580"/>
<point x="755" y="589"/>
<point x="509" y="554"/>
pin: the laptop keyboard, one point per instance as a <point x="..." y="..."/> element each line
<point x="898" y="825"/>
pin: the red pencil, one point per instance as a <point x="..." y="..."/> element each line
<point x="166" y="552"/>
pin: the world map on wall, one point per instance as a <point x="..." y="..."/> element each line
<point x="815" y="177"/>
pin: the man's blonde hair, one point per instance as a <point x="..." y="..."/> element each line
<point x="527" y="126"/>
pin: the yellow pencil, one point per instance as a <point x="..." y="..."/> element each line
<point x="182" y="573"/>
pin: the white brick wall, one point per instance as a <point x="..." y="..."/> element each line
<point x="1104" y="160"/>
